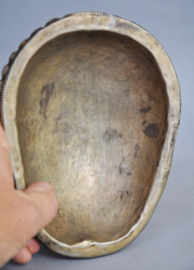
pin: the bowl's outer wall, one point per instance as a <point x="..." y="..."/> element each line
<point x="92" y="248"/>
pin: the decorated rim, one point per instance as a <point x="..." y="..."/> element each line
<point x="11" y="76"/>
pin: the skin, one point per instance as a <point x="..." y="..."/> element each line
<point x="22" y="213"/>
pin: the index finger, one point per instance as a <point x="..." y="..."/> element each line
<point x="6" y="175"/>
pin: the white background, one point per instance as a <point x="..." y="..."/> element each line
<point x="167" y="242"/>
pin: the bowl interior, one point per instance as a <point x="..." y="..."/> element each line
<point x="91" y="119"/>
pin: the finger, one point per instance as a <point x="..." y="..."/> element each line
<point x="23" y="256"/>
<point x="6" y="175"/>
<point x="33" y="246"/>
<point x="43" y="197"/>
<point x="3" y="140"/>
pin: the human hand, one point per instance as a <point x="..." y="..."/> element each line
<point x="22" y="213"/>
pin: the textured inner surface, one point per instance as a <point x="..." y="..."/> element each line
<point x="92" y="119"/>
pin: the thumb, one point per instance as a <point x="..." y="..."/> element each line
<point x="43" y="197"/>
